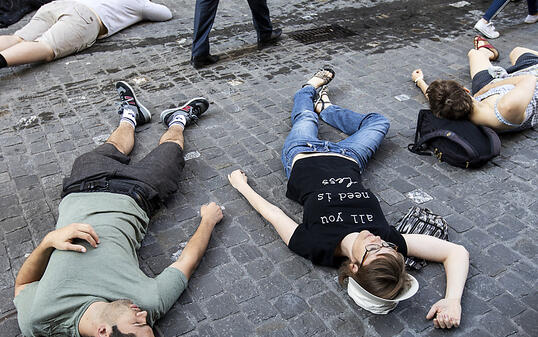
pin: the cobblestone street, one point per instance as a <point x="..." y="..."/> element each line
<point x="249" y="283"/>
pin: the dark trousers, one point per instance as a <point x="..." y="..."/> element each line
<point x="204" y="16"/>
<point x="533" y="7"/>
<point x="149" y="181"/>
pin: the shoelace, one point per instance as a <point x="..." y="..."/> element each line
<point x="490" y="25"/>
<point x="124" y="103"/>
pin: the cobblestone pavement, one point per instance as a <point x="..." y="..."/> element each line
<point x="249" y="283"/>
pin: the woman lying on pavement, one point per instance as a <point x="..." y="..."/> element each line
<point x="505" y="105"/>
<point x="343" y="224"/>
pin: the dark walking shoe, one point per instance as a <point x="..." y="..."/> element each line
<point x="270" y="39"/>
<point x="202" y="61"/>
<point x="128" y="99"/>
<point x="191" y="110"/>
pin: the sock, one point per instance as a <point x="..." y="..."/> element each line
<point x="129" y="116"/>
<point x="178" y="119"/>
<point x="3" y="62"/>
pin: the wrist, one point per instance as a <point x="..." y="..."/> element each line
<point x="453" y="299"/>
<point x="207" y="221"/>
<point x="47" y="242"/>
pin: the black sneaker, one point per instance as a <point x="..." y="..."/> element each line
<point x="191" y="110"/>
<point x="128" y="99"/>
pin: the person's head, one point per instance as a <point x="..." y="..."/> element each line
<point x="449" y="99"/>
<point x="122" y="318"/>
<point x="378" y="268"/>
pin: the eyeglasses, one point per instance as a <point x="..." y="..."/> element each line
<point x="374" y="247"/>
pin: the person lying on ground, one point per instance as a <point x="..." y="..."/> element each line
<point x="343" y="224"/>
<point x="62" y="28"/>
<point x="83" y="279"/>
<point x="505" y="105"/>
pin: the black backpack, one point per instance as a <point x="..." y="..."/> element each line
<point x="456" y="142"/>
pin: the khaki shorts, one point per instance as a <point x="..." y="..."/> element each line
<point x="66" y="26"/>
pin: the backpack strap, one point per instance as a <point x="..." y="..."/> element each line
<point x="452" y="136"/>
<point x="416" y="146"/>
<point x="493" y="139"/>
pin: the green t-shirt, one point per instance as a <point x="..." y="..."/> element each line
<point x="72" y="281"/>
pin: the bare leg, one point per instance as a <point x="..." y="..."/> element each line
<point x="479" y="60"/>
<point x="7" y="41"/>
<point x="174" y="135"/>
<point x="28" y="52"/>
<point x="518" y="51"/>
<point x="123" y="138"/>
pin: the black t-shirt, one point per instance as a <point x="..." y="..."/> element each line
<point x="335" y="204"/>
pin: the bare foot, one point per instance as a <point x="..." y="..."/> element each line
<point x="323" y="101"/>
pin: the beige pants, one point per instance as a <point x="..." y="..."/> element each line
<point x="66" y="26"/>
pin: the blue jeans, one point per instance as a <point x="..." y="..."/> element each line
<point x="365" y="131"/>
<point x="495" y="8"/>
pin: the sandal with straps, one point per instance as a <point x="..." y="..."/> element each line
<point x="323" y="91"/>
<point x="321" y="75"/>
<point x="488" y="46"/>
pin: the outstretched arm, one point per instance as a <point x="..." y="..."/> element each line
<point x="197" y="245"/>
<point x="455" y="258"/>
<point x="35" y="265"/>
<point x="418" y="77"/>
<point x="284" y="225"/>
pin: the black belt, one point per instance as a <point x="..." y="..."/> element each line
<point x="119" y="186"/>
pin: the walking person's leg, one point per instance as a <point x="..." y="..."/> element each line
<point x="484" y="25"/>
<point x="204" y="16"/>
<point x="494" y="9"/>
<point x="260" y="16"/>
<point x="533" y="11"/>
<point x="262" y="23"/>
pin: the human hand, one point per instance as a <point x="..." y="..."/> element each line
<point x="237" y="178"/>
<point x="447" y="313"/>
<point x="62" y="239"/>
<point x="211" y="212"/>
<point x="417" y="75"/>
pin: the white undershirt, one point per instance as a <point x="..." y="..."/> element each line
<point x="119" y="14"/>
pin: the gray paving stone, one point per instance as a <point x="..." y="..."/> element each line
<point x="498" y="324"/>
<point x="508" y="305"/>
<point x="386" y="327"/>
<point x="221" y="306"/>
